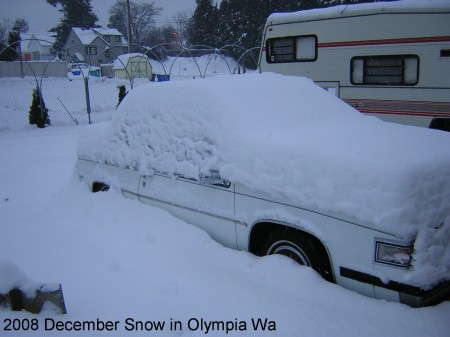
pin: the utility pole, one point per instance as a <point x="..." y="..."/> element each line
<point x="20" y="50"/>
<point x="129" y="25"/>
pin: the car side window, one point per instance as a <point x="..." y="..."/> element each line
<point x="213" y="178"/>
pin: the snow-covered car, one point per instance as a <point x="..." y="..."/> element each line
<point x="274" y="164"/>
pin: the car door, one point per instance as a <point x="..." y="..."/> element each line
<point x="206" y="202"/>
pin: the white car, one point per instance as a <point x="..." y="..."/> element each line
<point x="274" y="164"/>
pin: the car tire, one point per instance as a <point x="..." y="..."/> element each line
<point x="99" y="187"/>
<point x="298" y="247"/>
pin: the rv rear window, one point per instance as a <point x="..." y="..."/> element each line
<point x="291" y="49"/>
<point x="385" y="70"/>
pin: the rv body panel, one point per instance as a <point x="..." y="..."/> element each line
<point x="355" y="51"/>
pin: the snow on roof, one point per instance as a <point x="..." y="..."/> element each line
<point x="79" y="57"/>
<point x="288" y="137"/>
<point x="122" y="60"/>
<point x="107" y="31"/>
<point x="403" y="6"/>
<point x="42" y="39"/>
<point x="86" y="36"/>
<point x="45" y="39"/>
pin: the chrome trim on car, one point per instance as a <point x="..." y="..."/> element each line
<point x="183" y="207"/>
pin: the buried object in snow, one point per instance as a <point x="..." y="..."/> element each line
<point x="19" y="300"/>
<point x="18" y="292"/>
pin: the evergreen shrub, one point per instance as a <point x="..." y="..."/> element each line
<point x="38" y="114"/>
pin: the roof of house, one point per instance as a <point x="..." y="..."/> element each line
<point x="86" y="36"/>
<point x="107" y="31"/>
<point x="45" y="39"/>
<point x="42" y="39"/>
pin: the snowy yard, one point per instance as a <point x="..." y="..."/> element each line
<point x="120" y="261"/>
<point x="66" y="97"/>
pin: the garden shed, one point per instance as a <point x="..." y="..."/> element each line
<point x="132" y="65"/>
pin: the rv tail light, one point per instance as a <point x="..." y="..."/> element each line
<point x="393" y="254"/>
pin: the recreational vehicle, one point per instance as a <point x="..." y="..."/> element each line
<point x="387" y="59"/>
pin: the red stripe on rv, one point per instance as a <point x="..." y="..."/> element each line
<point x="397" y="107"/>
<point x="385" y="41"/>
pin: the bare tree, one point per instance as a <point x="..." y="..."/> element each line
<point x="142" y="19"/>
<point x="4" y="28"/>
<point x="118" y="17"/>
<point x="21" y="25"/>
<point x="181" y="21"/>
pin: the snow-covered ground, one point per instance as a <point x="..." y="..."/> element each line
<point x="119" y="260"/>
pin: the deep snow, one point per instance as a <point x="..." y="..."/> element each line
<point x="118" y="259"/>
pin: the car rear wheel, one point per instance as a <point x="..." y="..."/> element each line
<point x="298" y="247"/>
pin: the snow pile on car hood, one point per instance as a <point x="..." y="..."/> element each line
<point x="286" y="136"/>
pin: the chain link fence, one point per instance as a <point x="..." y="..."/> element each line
<point x="89" y="99"/>
<point x="65" y="99"/>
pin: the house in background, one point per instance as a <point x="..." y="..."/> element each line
<point x="37" y="47"/>
<point x="94" y="46"/>
<point x="133" y="65"/>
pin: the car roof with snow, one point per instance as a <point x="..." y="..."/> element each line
<point x="286" y="136"/>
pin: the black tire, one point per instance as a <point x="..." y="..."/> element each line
<point x="298" y="247"/>
<point x="99" y="187"/>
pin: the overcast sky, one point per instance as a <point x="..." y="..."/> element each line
<point x="41" y="16"/>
